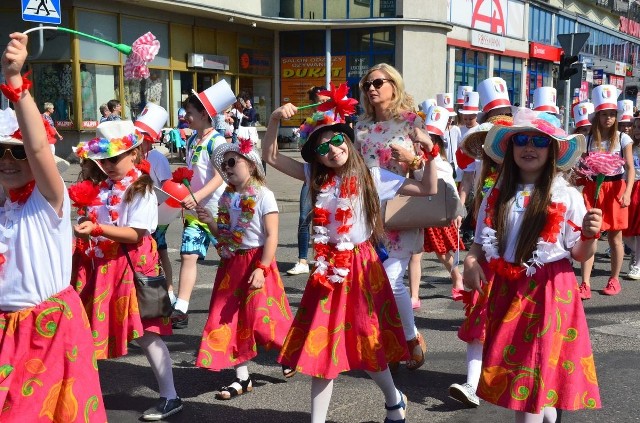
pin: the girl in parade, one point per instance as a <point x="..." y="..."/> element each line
<point x="347" y="319"/>
<point x="537" y="355"/>
<point x="615" y="195"/>
<point x="382" y="138"/>
<point x="120" y="224"/>
<point x="47" y="358"/>
<point x="248" y="305"/>
<point x="632" y="233"/>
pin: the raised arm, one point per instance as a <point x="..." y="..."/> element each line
<point x="270" y="152"/>
<point x="41" y="161"/>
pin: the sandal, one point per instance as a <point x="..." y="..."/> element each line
<point x="228" y="392"/>
<point x="288" y="371"/>
<point x="416" y="360"/>
<point x="401" y="405"/>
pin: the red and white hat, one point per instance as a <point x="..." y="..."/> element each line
<point x="445" y="100"/>
<point x="605" y="97"/>
<point x="152" y="120"/>
<point x="625" y="111"/>
<point x="581" y="112"/>
<point x="217" y="97"/>
<point x="544" y="100"/>
<point x="462" y="90"/>
<point x="493" y="94"/>
<point x="471" y="104"/>
<point x="437" y="119"/>
<point x="427" y="104"/>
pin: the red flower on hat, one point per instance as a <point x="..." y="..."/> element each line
<point x="144" y="50"/>
<point x="181" y="173"/>
<point x="338" y="100"/>
<point x="245" y="145"/>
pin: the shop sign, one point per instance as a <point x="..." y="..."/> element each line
<point x="617" y="81"/>
<point x="63" y="124"/>
<point x="620" y="69"/>
<point x="544" y="52"/>
<point x="628" y="26"/>
<point x="502" y="17"/>
<point x="388" y="6"/>
<point x="598" y="76"/>
<point x="589" y="76"/>
<point x="255" y="61"/>
<point x="488" y="41"/>
<point x="584" y="91"/>
<point x="90" y="123"/>
<point x="208" y="61"/>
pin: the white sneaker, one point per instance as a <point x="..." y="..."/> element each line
<point x="634" y="273"/>
<point x="632" y="262"/>
<point x="465" y="394"/>
<point x="298" y="269"/>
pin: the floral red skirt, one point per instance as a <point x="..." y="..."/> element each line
<point x="537" y="352"/>
<point x="241" y="318"/>
<point x="107" y="290"/>
<point x="634" y="212"/>
<point x="48" y="370"/>
<point x="354" y="326"/>
<point x="475" y="310"/>
<point x="441" y="240"/>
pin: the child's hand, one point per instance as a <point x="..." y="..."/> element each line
<point x="592" y="223"/>
<point x="14" y="55"/>
<point x="204" y="215"/>
<point x="473" y="276"/>
<point x="256" y="280"/>
<point x="189" y="203"/>
<point x="422" y="137"/>
<point x="401" y="154"/>
<point x="284" y="112"/>
<point x="83" y="230"/>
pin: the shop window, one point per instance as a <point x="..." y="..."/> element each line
<point x="132" y="29"/>
<point x="182" y="86"/>
<point x="101" y="25"/>
<point x="99" y="84"/>
<point x="153" y="90"/>
<point x="258" y="90"/>
<point x="53" y="83"/>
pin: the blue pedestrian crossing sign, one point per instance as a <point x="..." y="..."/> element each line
<point x="41" y="11"/>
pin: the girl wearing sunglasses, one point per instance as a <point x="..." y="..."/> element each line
<point x="121" y="223"/>
<point x="382" y="138"/>
<point x="348" y="304"/>
<point x="243" y="313"/>
<point x="530" y="225"/>
<point x="615" y="195"/>
<point x="43" y="334"/>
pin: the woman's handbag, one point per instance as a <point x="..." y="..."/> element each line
<point x="407" y="212"/>
<point x="152" y="293"/>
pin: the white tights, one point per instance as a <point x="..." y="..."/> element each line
<point x="548" y="415"/>
<point x="474" y="363"/>
<point x="395" y="268"/>
<point x="158" y="356"/>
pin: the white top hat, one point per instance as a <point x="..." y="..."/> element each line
<point x="581" y="112"/>
<point x="217" y="97"/>
<point x="625" y="111"/>
<point x="152" y="119"/>
<point x="427" y="104"/>
<point x="493" y="94"/>
<point x="437" y="119"/>
<point x="471" y="104"/>
<point x="462" y="90"/>
<point x="8" y="127"/>
<point x="544" y="100"/>
<point x="605" y="97"/>
<point x="445" y="100"/>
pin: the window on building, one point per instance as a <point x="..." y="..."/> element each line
<point x="470" y="68"/>
<point x="99" y="84"/>
<point x="563" y="26"/>
<point x="154" y="89"/>
<point x="509" y="69"/>
<point x="55" y="85"/>
<point x="540" y="25"/>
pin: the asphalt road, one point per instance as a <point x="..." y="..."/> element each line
<point x="129" y="386"/>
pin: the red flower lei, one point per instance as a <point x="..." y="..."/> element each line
<point x="230" y="239"/>
<point x="549" y="234"/>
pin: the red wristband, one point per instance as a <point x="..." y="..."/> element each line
<point x="429" y="155"/>
<point x="265" y="269"/>
<point x="97" y="231"/>
<point x="13" y="94"/>
<point x="587" y="238"/>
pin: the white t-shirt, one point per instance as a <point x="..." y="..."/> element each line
<point x="160" y="169"/>
<point x="561" y="192"/>
<point x="38" y="259"/>
<point x="254" y="234"/>
<point x="140" y="213"/>
<point x="199" y="160"/>
<point x="387" y="185"/>
<point x="451" y="138"/>
<point x="625" y="140"/>
<point x="464" y="131"/>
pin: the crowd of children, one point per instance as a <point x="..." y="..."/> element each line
<point x="524" y="324"/>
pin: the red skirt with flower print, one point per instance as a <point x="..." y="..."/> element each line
<point x="48" y="369"/>
<point x="537" y="352"/>
<point x="634" y="212"/>
<point x="354" y="326"/>
<point x="473" y="327"/>
<point x="441" y="240"/>
<point x="614" y="216"/>
<point x="107" y="290"/>
<point x="241" y="318"/>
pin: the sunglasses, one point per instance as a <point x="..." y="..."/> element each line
<point x="112" y="160"/>
<point x="538" y="141"/>
<point x="377" y="83"/>
<point x="323" y="149"/>
<point x="229" y="163"/>
<point x="17" y="152"/>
